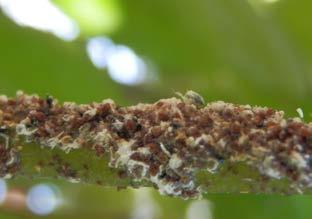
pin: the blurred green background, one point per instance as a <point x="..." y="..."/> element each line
<point x="254" y="52"/>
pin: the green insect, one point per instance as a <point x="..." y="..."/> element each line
<point x="191" y="97"/>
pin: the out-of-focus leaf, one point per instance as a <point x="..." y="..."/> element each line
<point x="94" y="16"/>
<point x="37" y="62"/>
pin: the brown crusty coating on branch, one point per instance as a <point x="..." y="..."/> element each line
<point x="165" y="142"/>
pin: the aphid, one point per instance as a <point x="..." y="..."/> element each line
<point x="73" y="180"/>
<point x="164" y="149"/>
<point x="175" y="162"/>
<point x="7" y="176"/>
<point x="49" y="101"/>
<point x="212" y="165"/>
<point x="300" y="112"/>
<point x="3" y="129"/>
<point x="13" y="158"/>
<point x="6" y="139"/>
<point x="191" y="97"/>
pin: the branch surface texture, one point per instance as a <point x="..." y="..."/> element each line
<point x="177" y="145"/>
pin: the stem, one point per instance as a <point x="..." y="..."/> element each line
<point x="179" y="146"/>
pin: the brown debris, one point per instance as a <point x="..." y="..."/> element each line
<point x="165" y="142"/>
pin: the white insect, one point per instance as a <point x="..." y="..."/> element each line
<point x="6" y="139"/>
<point x="300" y="112"/>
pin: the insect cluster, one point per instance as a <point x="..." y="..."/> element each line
<point x="167" y="142"/>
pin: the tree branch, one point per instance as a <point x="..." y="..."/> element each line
<point x="180" y="146"/>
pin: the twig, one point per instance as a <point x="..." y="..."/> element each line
<point x="180" y="146"/>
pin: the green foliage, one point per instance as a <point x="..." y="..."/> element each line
<point x="230" y="50"/>
<point x="94" y="16"/>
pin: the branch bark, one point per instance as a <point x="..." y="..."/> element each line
<point x="182" y="147"/>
